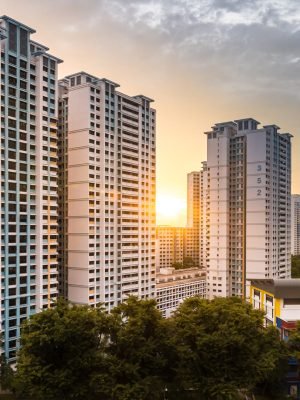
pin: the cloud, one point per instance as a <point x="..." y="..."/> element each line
<point x="241" y="40"/>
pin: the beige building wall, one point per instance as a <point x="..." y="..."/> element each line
<point x="170" y="246"/>
<point x="295" y="225"/>
<point x="192" y="246"/>
<point x="108" y="206"/>
<point x="245" y="220"/>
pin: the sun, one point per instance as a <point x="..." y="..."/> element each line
<point x="169" y="209"/>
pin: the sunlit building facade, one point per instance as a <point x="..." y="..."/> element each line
<point x="170" y="246"/>
<point x="192" y="246"/>
<point x="247" y="218"/>
<point x="204" y="217"/>
<point x="29" y="105"/>
<point x="107" y="192"/>
<point x="295" y="225"/>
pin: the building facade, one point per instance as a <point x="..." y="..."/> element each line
<point x="192" y="247"/>
<point x="246" y="219"/>
<point x="107" y="200"/>
<point x="174" y="286"/>
<point x="29" y="104"/>
<point x="295" y="225"/>
<point x="279" y="299"/>
<point x="170" y="246"/>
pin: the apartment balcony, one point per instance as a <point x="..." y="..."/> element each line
<point x="131" y="280"/>
<point x="130" y="158"/>
<point x="131" y="271"/>
<point x="130" y="263"/>
<point x="129" y="192"/>
<point x="133" y="240"/>
<point x="129" y="128"/>
<point x="130" y="169"/>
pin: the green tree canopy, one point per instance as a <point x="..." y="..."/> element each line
<point x="141" y="348"/>
<point x="223" y="347"/>
<point x="208" y="349"/>
<point x="62" y="349"/>
<point x="295" y="266"/>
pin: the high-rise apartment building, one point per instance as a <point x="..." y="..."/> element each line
<point x="295" y="225"/>
<point x="193" y="199"/>
<point x="204" y="216"/>
<point x="246" y="219"/>
<point x="192" y="246"/>
<point x="28" y="179"/>
<point x="170" y="246"/>
<point x="107" y="197"/>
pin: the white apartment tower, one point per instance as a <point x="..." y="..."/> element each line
<point x="192" y="248"/>
<point x="295" y="225"/>
<point x="246" y="219"/>
<point x="204" y="216"/>
<point x="29" y="104"/>
<point x="107" y="198"/>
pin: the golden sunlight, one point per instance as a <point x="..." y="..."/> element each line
<point x="170" y="209"/>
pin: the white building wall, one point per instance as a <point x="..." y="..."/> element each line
<point x="295" y="224"/>
<point x="109" y="203"/>
<point x="174" y="286"/>
<point x="247" y="206"/>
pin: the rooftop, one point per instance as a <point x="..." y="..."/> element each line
<point x="280" y="288"/>
<point x="9" y="19"/>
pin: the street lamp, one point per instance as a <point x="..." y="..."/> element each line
<point x="166" y="393"/>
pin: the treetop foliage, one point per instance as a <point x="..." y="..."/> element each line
<point x="208" y="349"/>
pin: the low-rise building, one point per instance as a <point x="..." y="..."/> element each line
<point x="280" y="300"/>
<point x="174" y="286"/>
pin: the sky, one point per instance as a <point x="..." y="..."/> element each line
<point x="203" y="61"/>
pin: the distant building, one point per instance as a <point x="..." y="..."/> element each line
<point x="192" y="239"/>
<point x="170" y="246"/>
<point x="204" y="231"/>
<point x="245" y="227"/>
<point x="295" y="225"/>
<point x="174" y="286"/>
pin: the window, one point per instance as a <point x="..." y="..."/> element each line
<point x="269" y="299"/>
<point x="12" y="37"/>
<point x="23" y="42"/>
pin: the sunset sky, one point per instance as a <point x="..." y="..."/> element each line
<point x="203" y="61"/>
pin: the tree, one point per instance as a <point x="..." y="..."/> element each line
<point x="177" y="265"/>
<point x="294" y="341"/>
<point x="209" y="349"/>
<point x="141" y="349"/>
<point x="222" y="347"/>
<point x="6" y="374"/>
<point x="188" y="262"/>
<point x="62" y="349"/>
<point x="295" y="266"/>
<point x="72" y="352"/>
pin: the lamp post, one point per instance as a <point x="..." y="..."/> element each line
<point x="165" y="393"/>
